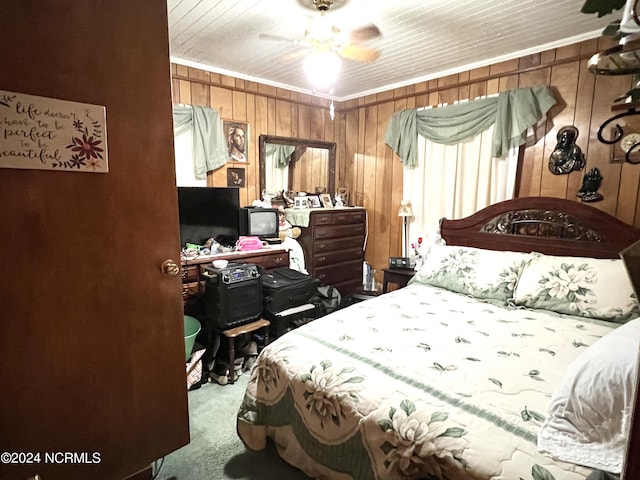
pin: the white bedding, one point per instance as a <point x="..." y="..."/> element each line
<point x="418" y="383"/>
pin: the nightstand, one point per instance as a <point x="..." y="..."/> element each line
<point x="399" y="276"/>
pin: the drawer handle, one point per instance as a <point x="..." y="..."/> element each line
<point x="322" y="246"/>
<point x="324" y="219"/>
<point x="278" y="260"/>
<point x="341" y="218"/>
<point x="321" y="276"/>
<point x="322" y="233"/>
<point x="322" y="258"/>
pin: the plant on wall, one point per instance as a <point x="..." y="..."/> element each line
<point x="602" y="8"/>
<point x="606" y="7"/>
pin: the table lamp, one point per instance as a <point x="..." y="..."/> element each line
<point x="405" y="212"/>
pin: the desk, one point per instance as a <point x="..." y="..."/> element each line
<point x="399" y="276"/>
<point x="193" y="282"/>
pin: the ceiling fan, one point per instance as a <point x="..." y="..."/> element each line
<point x="322" y="36"/>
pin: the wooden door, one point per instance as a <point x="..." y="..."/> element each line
<point x="91" y="331"/>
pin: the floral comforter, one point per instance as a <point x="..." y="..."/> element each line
<point x="417" y="383"/>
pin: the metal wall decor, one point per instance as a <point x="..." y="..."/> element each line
<point x="630" y="142"/>
<point x="590" y="185"/>
<point x="623" y="59"/>
<point x="567" y="156"/>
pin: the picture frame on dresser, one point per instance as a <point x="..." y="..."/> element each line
<point x="313" y="201"/>
<point x="325" y="198"/>
<point x="343" y="193"/>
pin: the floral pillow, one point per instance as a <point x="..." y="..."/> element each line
<point x="587" y="287"/>
<point x="484" y="274"/>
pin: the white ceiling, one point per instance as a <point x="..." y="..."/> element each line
<point x="421" y="39"/>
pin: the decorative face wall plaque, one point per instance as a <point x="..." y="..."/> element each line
<point x="567" y="156"/>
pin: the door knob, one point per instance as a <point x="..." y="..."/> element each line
<point x="169" y="267"/>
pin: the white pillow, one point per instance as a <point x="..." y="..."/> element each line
<point x="485" y="274"/>
<point x="587" y="287"/>
<point x="590" y="410"/>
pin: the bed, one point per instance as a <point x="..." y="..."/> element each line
<point x="470" y="371"/>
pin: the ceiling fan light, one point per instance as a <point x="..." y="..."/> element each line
<point x="322" y="68"/>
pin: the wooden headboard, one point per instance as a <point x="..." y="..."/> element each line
<point x="553" y="226"/>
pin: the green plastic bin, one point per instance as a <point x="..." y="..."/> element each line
<point x="191" y="329"/>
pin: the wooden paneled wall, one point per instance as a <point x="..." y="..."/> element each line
<point x="373" y="172"/>
<point x="268" y="110"/>
<point x="312" y="165"/>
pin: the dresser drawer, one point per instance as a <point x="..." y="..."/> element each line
<point x="321" y="218"/>
<point x="331" y="257"/>
<point x="338" y="231"/>
<point x="273" y="261"/>
<point x="341" y="218"/>
<point x="348" y="287"/>
<point x="332" y="245"/>
<point x="337" y="217"/>
<point x="190" y="273"/>
<point x="340" y="272"/>
<point x="192" y="290"/>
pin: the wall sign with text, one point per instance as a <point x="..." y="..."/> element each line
<point x="49" y="134"/>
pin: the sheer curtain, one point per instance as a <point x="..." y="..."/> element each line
<point x="185" y="167"/>
<point x="454" y="181"/>
<point x="462" y="157"/>
<point x="278" y="177"/>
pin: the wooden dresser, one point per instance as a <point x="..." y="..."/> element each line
<point x="333" y="245"/>
<point x="193" y="282"/>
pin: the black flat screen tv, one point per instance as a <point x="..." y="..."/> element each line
<point x="208" y="212"/>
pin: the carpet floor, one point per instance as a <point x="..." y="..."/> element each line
<point x="215" y="451"/>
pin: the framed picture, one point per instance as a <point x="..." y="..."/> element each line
<point x="343" y="192"/>
<point x="301" y="202"/>
<point x="237" y="134"/>
<point x="235" y="177"/>
<point x="326" y="200"/>
<point x="314" y="201"/>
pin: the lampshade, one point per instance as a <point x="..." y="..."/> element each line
<point x="405" y="209"/>
<point x="322" y="67"/>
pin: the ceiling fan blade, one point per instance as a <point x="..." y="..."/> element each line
<point x="292" y="56"/>
<point x="358" y="53"/>
<point x="364" y="33"/>
<point x="276" y="38"/>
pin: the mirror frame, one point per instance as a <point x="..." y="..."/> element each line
<point x="298" y="142"/>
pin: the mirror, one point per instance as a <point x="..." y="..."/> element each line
<point x="294" y="164"/>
